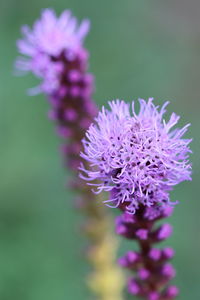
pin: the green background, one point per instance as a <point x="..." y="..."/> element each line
<point x="138" y="49"/>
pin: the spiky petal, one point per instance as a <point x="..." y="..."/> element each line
<point x="138" y="157"/>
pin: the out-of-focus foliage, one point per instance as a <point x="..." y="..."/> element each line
<point x="138" y="49"/>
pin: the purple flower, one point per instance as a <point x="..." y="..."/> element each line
<point x="51" y="39"/>
<point x="138" y="157"/>
<point x="57" y="56"/>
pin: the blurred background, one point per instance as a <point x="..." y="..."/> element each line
<point x="138" y="49"/>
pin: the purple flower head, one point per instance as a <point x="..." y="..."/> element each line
<point x="138" y="157"/>
<point x="51" y="39"/>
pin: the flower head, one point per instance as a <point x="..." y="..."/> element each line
<point x="138" y="157"/>
<point x="51" y="40"/>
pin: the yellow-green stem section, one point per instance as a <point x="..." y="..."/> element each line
<point x="106" y="280"/>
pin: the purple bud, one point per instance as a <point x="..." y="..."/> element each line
<point x="70" y="114"/>
<point x="142" y="234"/>
<point x="168" y="271"/>
<point x="172" y="292"/>
<point x="83" y="55"/>
<point x="143" y="274"/>
<point x="59" y="67"/>
<point x="86" y="92"/>
<point x="121" y="229"/>
<point x="75" y="91"/>
<point x="164" y="232"/>
<point x="55" y="101"/>
<point x="133" y="287"/>
<point x="168" y="253"/>
<point x="155" y="254"/>
<point x="122" y="261"/>
<point x="128" y="218"/>
<point x="167" y="211"/>
<point x="74" y="75"/>
<point x="132" y="256"/>
<point x="88" y="79"/>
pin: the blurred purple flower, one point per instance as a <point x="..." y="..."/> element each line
<point x="50" y="39"/>
<point x="56" y="55"/>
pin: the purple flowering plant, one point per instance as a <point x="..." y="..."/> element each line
<point x="139" y="158"/>
<point x="53" y="51"/>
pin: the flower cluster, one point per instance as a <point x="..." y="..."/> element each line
<point x="151" y="267"/>
<point x="138" y="157"/>
<point x="50" y="45"/>
<point x="56" y="55"/>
